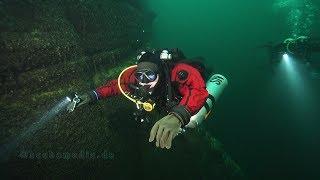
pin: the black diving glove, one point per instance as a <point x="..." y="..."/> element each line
<point x="76" y="101"/>
<point x="87" y="98"/>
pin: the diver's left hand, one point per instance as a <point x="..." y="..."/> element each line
<point x="165" y="130"/>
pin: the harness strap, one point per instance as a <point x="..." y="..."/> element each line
<point x="206" y="105"/>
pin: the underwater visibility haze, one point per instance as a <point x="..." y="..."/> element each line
<point x="170" y="89"/>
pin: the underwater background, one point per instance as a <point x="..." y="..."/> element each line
<point x="267" y="119"/>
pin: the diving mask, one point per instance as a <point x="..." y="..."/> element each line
<point x="146" y="76"/>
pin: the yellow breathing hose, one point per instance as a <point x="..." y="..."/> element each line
<point x="148" y="106"/>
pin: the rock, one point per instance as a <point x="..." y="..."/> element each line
<point x="106" y="24"/>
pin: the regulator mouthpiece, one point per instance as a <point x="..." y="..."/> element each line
<point x="74" y="103"/>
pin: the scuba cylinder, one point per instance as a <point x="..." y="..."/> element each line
<point x="215" y="86"/>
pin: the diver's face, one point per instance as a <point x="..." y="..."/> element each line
<point x="147" y="80"/>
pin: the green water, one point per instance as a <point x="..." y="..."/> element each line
<point x="268" y="121"/>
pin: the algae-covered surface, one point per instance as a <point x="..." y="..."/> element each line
<point x="52" y="49"/>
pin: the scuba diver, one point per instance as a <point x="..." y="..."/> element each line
<point x="300" y="48"/>
<point x="164" y="81"/>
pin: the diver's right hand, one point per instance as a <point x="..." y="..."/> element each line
<point x="85" y="99"/>
<point x="81" y="100"/>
